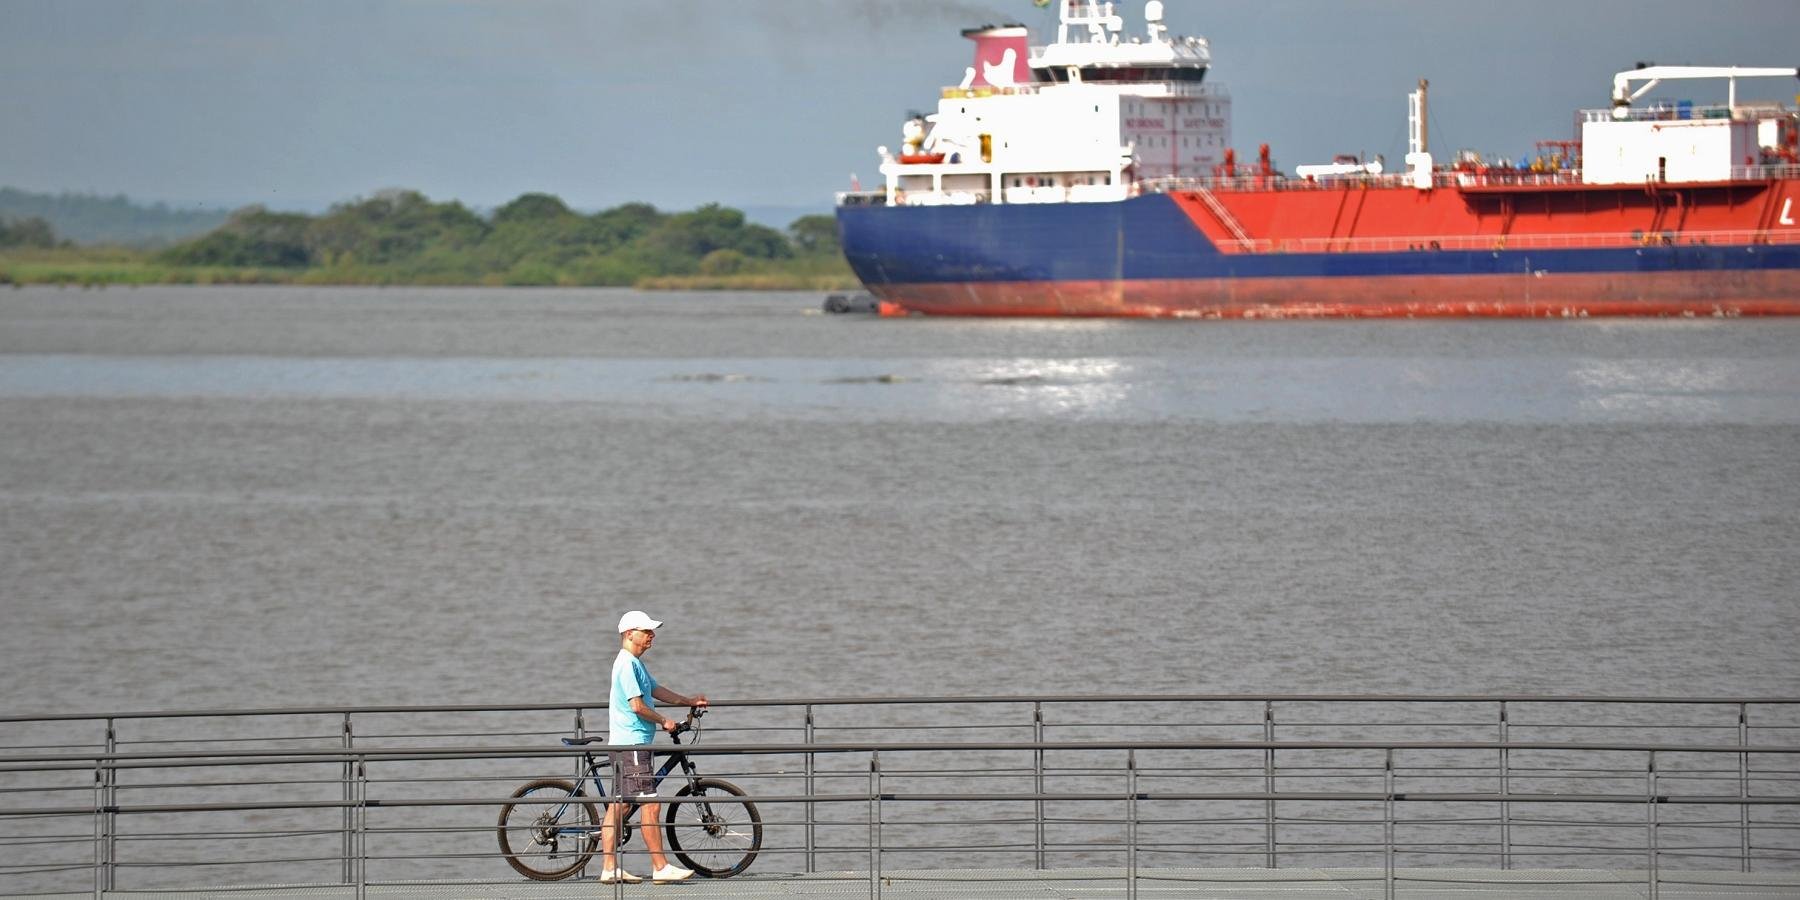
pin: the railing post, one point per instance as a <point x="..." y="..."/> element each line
<point x="1131" y="819"/>
<point x="361" y="810"/>
<point x="100" y="861"/>
<point x="1269" y="782"/>
<point x="1037" y="734"/>
<point x="875" y="824"/>
<point x="112" y="803"/>
<point x="811" y="808"/>
<point x="1744" y="785"/>
<point x="1650" y="802"/>
<point x="1505" y="791"/>
<point x="349" y="740"/>
<point x="1387" y="828"/>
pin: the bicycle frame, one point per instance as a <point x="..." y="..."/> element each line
<point x="593" y="763"/>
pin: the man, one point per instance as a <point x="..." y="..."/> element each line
<point x="632" y="723"/>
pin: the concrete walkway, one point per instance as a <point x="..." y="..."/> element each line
<point x="1075" y="884"/>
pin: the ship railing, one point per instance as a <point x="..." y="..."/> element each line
<point x="1570" y="177"/>
<point x="1507" y="178"/>
<point x="1252" y="181"/>
<point x="1776" y="172"/>
<point x="1066" y="193"/>
<point x="1249" y="180"/>
<point x="1408" y="791"/>
<point x="1676" y="112"/>
<point x="939" y="198"/>
<point x="1184" y="89"/>
<point x="1517" y="242"/>
<point x="955" y="92"/>
<point x="862" y="198"/>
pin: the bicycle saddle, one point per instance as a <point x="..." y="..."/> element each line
<point x="576" y="742"/>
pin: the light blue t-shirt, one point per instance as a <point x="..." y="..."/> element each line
<point x="630" y="679"/>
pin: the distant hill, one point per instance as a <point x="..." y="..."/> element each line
<point x="93" y="219"/>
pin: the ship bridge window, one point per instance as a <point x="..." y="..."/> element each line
<point x="1189" y="74"/>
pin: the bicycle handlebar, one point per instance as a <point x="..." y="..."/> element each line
<point x="694" y="713"/>
<point x="690" y="725"/>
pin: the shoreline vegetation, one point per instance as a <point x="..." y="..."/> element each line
<point x="403" y="238"/>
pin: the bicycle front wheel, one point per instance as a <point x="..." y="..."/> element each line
<point x="712" y="829"/>
<point x="548" y="832"/>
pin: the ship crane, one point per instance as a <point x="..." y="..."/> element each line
<point x="1624" y="96"/>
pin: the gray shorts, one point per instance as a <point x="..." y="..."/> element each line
<point x="632" y="778"/>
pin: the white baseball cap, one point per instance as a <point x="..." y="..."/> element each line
<point x="636" y="619"/>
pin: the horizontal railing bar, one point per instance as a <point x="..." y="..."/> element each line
<point x="283" y="738"/>
<point x="277" y="756"/>
<point x="951" y="797"/>
<point x="891" y="701"/>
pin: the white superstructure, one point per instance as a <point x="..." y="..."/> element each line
<point x="1076" y="121"/>
<point x="1682" y="143"/>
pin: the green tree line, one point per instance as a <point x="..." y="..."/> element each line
<point x="33" y="232"/>
<point x="404" y="237"/>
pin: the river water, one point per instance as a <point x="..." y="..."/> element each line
<point x="215" y="497"/>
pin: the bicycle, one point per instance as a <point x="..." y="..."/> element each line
<point x="556" y="824"/>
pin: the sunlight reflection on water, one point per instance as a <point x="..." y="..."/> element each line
<point x="1345" y="388"/>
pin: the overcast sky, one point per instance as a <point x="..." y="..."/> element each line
<point x="301" y="103"/>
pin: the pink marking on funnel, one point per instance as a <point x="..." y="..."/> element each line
<point x="1001" y="56"/>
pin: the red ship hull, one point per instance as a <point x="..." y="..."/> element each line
<point x="1708" y="294"/>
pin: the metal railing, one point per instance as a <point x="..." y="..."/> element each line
<point x="1662" y="787"/>
<point x="1186" y="90"/>
<point x="1247" y="179"/>
<point x="1514" y="242"/>
<point x="1673" y="112"/>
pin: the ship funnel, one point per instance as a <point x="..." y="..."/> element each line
<point x="1002" y="55"/>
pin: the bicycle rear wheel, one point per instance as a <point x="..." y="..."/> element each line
<point x="712" y="829"/>
<point x="548" y="833"/>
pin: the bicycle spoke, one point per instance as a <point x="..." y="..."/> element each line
<point x="547" y="834"/>
<point x="716" y="833"/>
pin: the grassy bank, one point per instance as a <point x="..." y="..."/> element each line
<point x="404" y="238"/>
<point x="113" y="265"/>
<point x="100" y="266"/>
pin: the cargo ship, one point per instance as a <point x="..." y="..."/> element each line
<point x="1094" y="176"/>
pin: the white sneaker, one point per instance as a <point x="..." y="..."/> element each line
<point x="618" y="876"/>
<point x="671" y="872"/>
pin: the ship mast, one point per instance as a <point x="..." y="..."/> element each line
<point x="1099" y="18"/>
<point x="1418" y="151"/>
